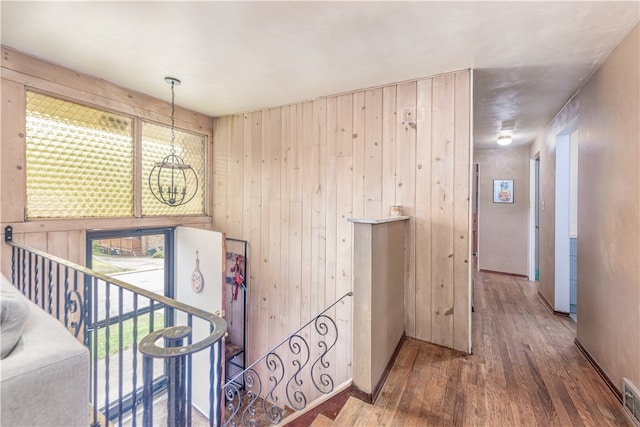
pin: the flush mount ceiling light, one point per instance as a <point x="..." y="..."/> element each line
<point x="168" y="178"/>
<point x="504" y="140"/>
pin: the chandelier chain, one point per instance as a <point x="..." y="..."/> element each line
<point x="172" y="181"/>
<point x="173" y="118"/>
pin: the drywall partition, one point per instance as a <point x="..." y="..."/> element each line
<point x="562" y="275"/>
<point x="378" y="281"/>
<point x="503" y="227"/>
<point x="286" y="179"/>
<point x="606" y="112"/>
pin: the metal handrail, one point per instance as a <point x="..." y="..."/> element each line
<point x="249" y="383"/>
<point x="253" y="365"/>
<point x="218" y="324"/>
<point x="36" y="272"/>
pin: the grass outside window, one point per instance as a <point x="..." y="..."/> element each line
<point x="143" y="327"/>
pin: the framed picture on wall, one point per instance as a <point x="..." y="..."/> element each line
<point x="502" y="191"/>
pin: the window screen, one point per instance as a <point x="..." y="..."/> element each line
<point x="156" y="144"/>
<point x="79" y="160"/>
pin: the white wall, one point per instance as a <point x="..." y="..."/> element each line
<point x="503" y="227"/>
<point x="606" y="112"/>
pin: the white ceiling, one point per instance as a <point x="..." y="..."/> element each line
<point x="528" y="57"/>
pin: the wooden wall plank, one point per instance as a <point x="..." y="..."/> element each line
<point x="333" y="151"/>
<point x="345" y="196"/>
<point x="295" y="150"/>
<point x="442" y="211"/>
<point x="319" y="204"/>
<point x="359" y="156"/>
<point x="197" y="221"/>
<point x="388" y="182"/>
<point x="12" y="155"/>
<point x="247" y="154"/>
<point x="261" y="333"/>
<point x="58" y="244"/>
<point x="406" y="124"/>
<point x="254" y="263"/>
<point x="274" y="202"/>
<point x="306" y="150"/>
<point x="423" y="212"/>
<point x="461" y="210"/>
<point x="220" y="173"/>
<point x="36" y="241"/>
<point x="36" y="73"/>
<point x="294" y="274"/>
<point x="284" y="311"/>
<point x="373" y="155"/>
<point x="235" y="181"/>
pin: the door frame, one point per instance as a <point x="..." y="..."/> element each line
<point x="169" y="242"/>
<point x="159" y="381"/>
<point x="534" y="200"/>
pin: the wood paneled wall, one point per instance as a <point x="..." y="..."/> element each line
<point x="286" y="179"/>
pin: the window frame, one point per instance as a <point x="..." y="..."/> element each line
<point x="138" y="115"/>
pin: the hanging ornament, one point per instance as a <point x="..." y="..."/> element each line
<point x="197" y="279"/>
<point x="238" y="278"/>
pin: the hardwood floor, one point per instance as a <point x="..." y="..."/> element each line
<point x="525" y="371"/>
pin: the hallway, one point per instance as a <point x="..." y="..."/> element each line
<point x="525" y="370"/>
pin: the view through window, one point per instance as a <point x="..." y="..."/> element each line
<point x="123" y="318"/>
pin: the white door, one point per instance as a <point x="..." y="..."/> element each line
<point x="199" y="252"/>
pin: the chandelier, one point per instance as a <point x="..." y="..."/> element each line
<point x="168" y="179"/>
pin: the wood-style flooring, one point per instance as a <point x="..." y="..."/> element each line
<point x="525" y="371"/>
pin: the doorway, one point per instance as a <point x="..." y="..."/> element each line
<point x="573" y="228"/>
<point x="143" y="258"/>
<point x="181" y="263"/>
<point x="474" y="229"/>
<point x="566" y="222"/>
<point x="534" y="218"/>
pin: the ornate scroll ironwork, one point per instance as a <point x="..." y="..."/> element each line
<point x="72" y="305"/>
<point x="69" y="292"/>
<point x="321" y="380"/>
<point x="293" y="380"/>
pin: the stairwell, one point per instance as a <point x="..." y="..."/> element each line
<point x="354" y="413"/>
<point x="338" y="410"/>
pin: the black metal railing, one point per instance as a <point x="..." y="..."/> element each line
<point x="117" y="321"/>
<point x="289" y="377"/>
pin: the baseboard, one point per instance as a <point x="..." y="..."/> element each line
<point x="617" y="393"/>
<point x="555" y="312"/>
<point x="504" y="273"/>
<point x="387" y="369"/>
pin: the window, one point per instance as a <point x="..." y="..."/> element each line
<point x="80" y="162"/>
<point x="155" y="146"/>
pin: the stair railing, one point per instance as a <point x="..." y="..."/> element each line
<point x="288" y="377"/>
<point x="91" y="305"/>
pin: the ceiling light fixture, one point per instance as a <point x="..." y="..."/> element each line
<point x="504" y="140"/>
<point x="168" y="178"/>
